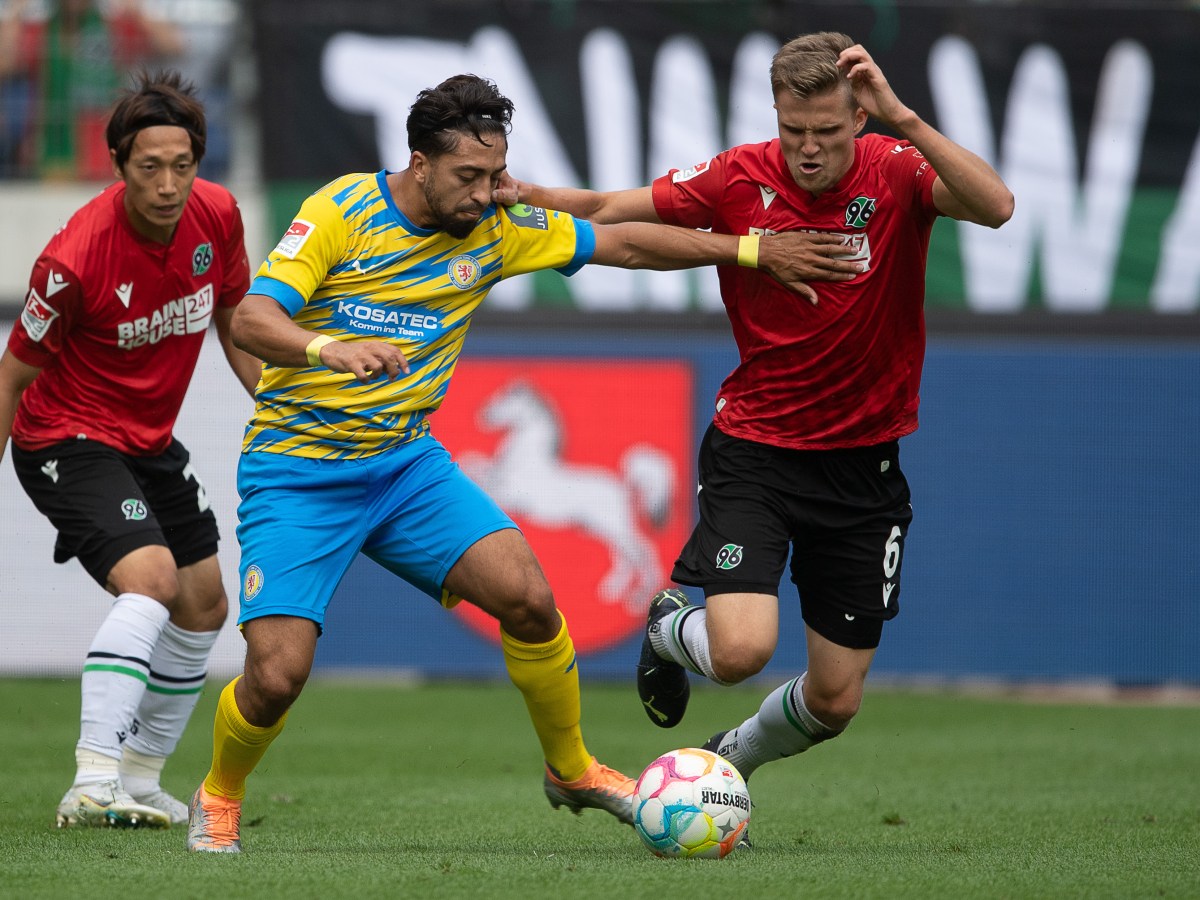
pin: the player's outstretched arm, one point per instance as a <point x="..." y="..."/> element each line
<point x="262" y="328"/>
<point x="967" y="188"/>
<point x="603" y="207"/>
<point x="15" y="376"/>
<point x="792" y="258"/>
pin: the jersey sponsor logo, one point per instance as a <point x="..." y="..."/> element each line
<point x="525" y="216"/>
<point x="729" y="557"/>
<point x="604" y="508"/>
<point x="368" y="317"/>
<point x="125" y="293"/>
<point x="187" y="315"/>
<point x="463" y="271"/>
<point x="768" y="194"/>
<point x="133" y="509"/>
<point x="37" y="316"/>
<point x="54" y="284"/>
<point x="253" y="582"/>
<point x="859" y="211"/>
<point x="688" y="174"/>
<point x="294" y="238"/>
<point x="202" y="258"/>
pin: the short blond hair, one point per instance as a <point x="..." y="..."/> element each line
<point x="807" y="65"/>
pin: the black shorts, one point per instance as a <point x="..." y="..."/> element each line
<point x="843" y="514"/>
<point x="106" y="504"/>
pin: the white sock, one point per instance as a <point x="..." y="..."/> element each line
<point x="682" y="636"/>
<point x="782" y="727"/>
<point x="114" y="679"/>
<point x="178" y="669"/>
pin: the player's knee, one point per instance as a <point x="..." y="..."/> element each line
<point x="201" y="610"/>
<point x="835" y="707"/>
<point x="532" y="615"/>
<point x="271" y="691"/>
<point x="737" y="662"/>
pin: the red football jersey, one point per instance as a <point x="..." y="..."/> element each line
<point x="846" y="372"/>
<point x="116" y="321"/>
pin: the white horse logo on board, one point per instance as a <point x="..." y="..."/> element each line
<point x="529" y="479"/>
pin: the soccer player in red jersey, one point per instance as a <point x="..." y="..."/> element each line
<point x="802" y="453"/>
<point x="91" y="383"/>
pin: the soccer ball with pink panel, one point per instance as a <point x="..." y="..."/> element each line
<point x="691" y="803"/>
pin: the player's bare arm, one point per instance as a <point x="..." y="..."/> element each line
<point x="603" y="207"/>
<point x="262" y="328"/>
<point x="638" y="245"/>
<point x="967" y="188"/>
<point x="247" y="368"/>
<point x="15" y="376"/>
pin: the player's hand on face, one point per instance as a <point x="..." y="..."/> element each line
<point x="365" y="360"/>
<point x="795" y="258"/>
<point x="506" y="192"/>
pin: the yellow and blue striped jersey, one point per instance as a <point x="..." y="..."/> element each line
<point x="353" y="266"/>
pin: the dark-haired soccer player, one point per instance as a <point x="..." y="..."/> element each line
<point x="90" y="386"/>
<point x="360" y="314"/>
<point x="802" y="453"/>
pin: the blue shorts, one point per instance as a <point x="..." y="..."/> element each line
<point x="303" y="522"/>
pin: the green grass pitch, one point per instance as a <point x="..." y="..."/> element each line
<point x="434" y="791"/>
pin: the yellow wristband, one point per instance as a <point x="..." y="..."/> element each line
<point x="313" y="350"/>
<point x="748" y="251"/>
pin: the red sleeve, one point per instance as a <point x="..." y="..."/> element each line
<point x="910" y="176"/>
<point x="237" y="265"/>
<point x="688" y="197"/>
<point x="54" y="298"/>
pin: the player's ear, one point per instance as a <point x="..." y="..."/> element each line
<point x="112" y="155"/>
<point x="419" y="164"/>
<point x="860" y="119"/>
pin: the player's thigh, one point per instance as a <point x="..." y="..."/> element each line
<point x="847" y="562"/>
<point x="740" y="542"/>
<point x="301" y="524"/>
<point x="93" y="498"/>
<point x="438" y="514"/>
<point x="180" y="503"/>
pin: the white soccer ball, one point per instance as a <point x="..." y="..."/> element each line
<point x="691" y="802"/>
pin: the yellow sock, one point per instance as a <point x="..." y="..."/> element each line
<point x="548" y="678"/>
<point x="237" y="747"/>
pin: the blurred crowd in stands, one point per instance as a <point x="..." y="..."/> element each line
<point x="63" y="62"/>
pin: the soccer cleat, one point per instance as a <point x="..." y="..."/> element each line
<point x="598" y="788"/>
<point x="176" y="810"/>
<point x="214" y="823"/>
<point x="713" y="745"/>
<point x="662" y="684"/>
<point x="106" y="805"/>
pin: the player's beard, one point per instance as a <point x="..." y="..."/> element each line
<point x="456" y="226"/>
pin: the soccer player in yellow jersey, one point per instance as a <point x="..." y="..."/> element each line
<point x="359" y="314"/>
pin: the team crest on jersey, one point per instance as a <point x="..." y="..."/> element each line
<point x="525" y="216"/>
<point x="859" y="211"/>
<point x="689" y="174"/>
<point x="202" y="258"/>
<point x="37" y="316"/>
<point x="295" y="238"/>
<point x="253" y="583"/>
<point x="463" y="271"/>
<point x="133" y="510"/>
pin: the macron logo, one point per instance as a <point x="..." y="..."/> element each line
<point x="124" y="292"/>
<point x="888" y="587"/>
<point x="768" y="194"/>
<point x="54" y="284"/>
